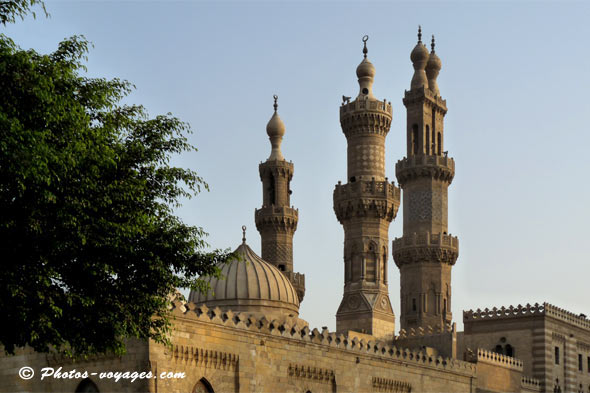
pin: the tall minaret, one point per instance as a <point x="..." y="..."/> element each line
<point x="365" y="207"/>
<point x="277" y="220"/>
<point x="426" y="252"/>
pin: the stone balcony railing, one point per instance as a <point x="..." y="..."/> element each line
<point x="420" y="165"/>
<point x="276" y="217"/>
<point x="366" y="198"/>
<point x="367" y="189"/>
<point x="499" y="359"/>
<point x="366" y="104"/>
<point x="530" y="384"/>
<point x="419" y="247"/>
<point x="417" y="95"/>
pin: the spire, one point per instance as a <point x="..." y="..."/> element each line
<point x="419" y="57"/>
<point x="433" y="67"/>
<point x="275" y="130"/>
<point x="365" y="73"/>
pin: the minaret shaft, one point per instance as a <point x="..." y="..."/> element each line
<point x="365" y="206"/>
<point x="426" y="252"/>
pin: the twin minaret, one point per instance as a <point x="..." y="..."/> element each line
<point x="426" y="252"/>
<point x="368" y="202"/>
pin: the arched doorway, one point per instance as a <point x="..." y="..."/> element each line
<point x="87" y="386"/>
<point x="203" y="386"/>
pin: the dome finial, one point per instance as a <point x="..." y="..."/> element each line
<point x="243" y="234"/>
<point x="275" y="105"/>
<point x="365" y="50"/>
<point x="419" y="34"/>
<point x="432" y="44"/>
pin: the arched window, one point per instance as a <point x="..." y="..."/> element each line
<point x="87" y="386"/>
<point x="203" y="386"/>
<point x="415" y="139"/>
<point x="499" y="349"/>
<point x="509" y="350"/>
<point x="439" y="144"/>
<point x="433" y="143"/>
<point x="271" y="190"/>
<point x="428" y="140"/>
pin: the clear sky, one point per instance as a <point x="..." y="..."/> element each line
<point x="516" y="77"/>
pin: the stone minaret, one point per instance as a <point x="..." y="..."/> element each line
<point x="426" y="252"/>
<point x="277" y="220"/>
<point x="365" y="207"/>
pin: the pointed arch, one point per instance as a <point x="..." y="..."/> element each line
<point x="87" y="386"/>
<point x="203" y="386"/>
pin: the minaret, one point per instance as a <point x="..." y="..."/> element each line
<point x="365" y="206"/>
<point x="276" y="220"/>
<point x="426" y="252"/>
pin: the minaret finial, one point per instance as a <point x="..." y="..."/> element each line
<point x="365" y="50"/>
<point x="419" y="34"/>
<point x="243" y="234"/>
<point x="275" y="105"/>
<point x="432" y="44"/>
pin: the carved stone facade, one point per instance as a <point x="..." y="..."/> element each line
<point x="246" y="335"/>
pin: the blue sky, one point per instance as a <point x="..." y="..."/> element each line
<point x="515" y="76"/>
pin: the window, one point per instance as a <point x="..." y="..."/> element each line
<point x="499" y="349"/>
<point x="428" y="140"/>
<point x="415" y="139"/>
<point x="588" y="368"/>
<point x="580" y="365"/>
<point x="439" y="144"/>
<point x="413" y="304"/>
<point x="509" y="350"/>
<point x="556" y="355"/>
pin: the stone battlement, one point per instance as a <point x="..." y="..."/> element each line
<point x="425" y="246"/>
<point x="434" y="166"/>
<point x="293" y="329"/>
<point x="499" y="359"/>
<point x="428" y="331"/>
<point x="526" y="311"/>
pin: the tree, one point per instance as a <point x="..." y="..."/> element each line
<point x="90" y="247"/>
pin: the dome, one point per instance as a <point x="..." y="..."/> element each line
<point x="419" y="54"/>
<point x="249" y="284"/>
<point x="365" y="69"/>
<point x="275" y="127"/>
<point x="434" y="62"/>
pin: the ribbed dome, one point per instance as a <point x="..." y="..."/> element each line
<point x="249" y="284"/>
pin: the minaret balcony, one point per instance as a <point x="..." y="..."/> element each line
<point x="433" y="166"/>
<point x="366" y="198"/>
<point x="276" y="217"/>
<point x="425" y="95"/>
<point x="424" y="248"/>
<point x="363" y="116"/>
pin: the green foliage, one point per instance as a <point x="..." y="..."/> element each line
<point x="90" y="248"/>
<point x="12" y="9"/>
